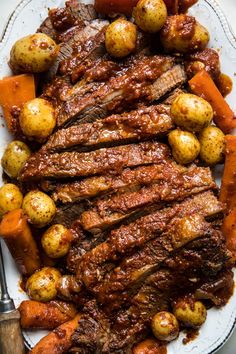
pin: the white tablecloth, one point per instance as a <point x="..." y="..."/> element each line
<point x="229" y="8"/>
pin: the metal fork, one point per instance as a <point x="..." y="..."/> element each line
<point x="11" y="339"/>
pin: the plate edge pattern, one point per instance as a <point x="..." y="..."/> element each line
<point x="9" y="25"/>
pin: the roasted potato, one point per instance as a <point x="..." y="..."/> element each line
<point x="191" y="112"/>
<point x="37" y="119"/>
<point x="14" y="158"/>
<point x="56" y="241"/>
<point x="33" y="54"/>
<point x="41" y="286"/>
<point x="39" y="208"/>
<point x="10" y="198"/>
<point x="183" y="34"/>
<point x="185" y="146"/>
<point x="212" y="141"/>
<point x="150" y="15"/>
<point x="121" y="37"/>
<point x="190" y="312"/>
<point x="165" y="326"/>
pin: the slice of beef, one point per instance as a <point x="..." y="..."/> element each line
<point x="141" y="124"/>
<point x="75" y="164"/>
<point x="110" y="210"/>
<point x="129" y="237"/>
<point x="167" y="82"/>
<point x="76" y="40"/>
<point x="94" y="71"/>
<point x="203" y="258"/>
<point x="119" y="93"/>
<point x="91" y="45"/>
<point x="94" y="186"/>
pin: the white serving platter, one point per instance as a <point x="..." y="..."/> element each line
<point x="25" y="20"/>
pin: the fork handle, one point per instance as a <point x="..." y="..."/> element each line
<point x="11" y="339"/>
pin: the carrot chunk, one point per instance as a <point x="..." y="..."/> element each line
<point x="58" y="341"/>
<point x="14" y="92"/>
<point x="203" y="85"/>
<point x="20" y="242"/>
<point x="228" y="184"/>
<point x="35" y="314"/>
<point x="229" y="231"/>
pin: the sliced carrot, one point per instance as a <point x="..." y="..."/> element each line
<point x="14" y="92"/>
<point x="229" y="231"/>
<point x="228" y="184"/>
<point x="203" y="85"/>
<point x="35" y="314"/>
<point x="58" y="341"/>
<point x="20" y="242"/>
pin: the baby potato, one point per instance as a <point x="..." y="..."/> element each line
<point x="39" y="208"/>
<point x="185" y="146"/>
<point x="34" y="53"/>
<point x="190" y="312"/>
<point x="41" y="286"/>
<point x="183" y="34"/>
<point x="212" y="141"/>
<point x="165" y="326"/>
<point x="14" y="158"/>
<point x="191" y="112"/>
<point x="150" y="15"/>
<point x="37" y="119"/>
<point x="56" y="241"/>
<point x="121" y="37"/>
<point x="10" y="198"/>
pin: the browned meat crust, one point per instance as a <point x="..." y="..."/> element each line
<point x="141" y="124"/>
<point x="75" y="164"/>
<point x="93" y="186"/>
<point x="176" y="185"/>
<point x="119" y="92"/>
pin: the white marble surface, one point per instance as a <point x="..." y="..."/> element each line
<point x="229" y="8"/>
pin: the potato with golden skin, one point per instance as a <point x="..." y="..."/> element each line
<point x="39" y="208"/>
<point x="189" y="312"/>
<point x="150" y="15"/>
<point x="56" y="241"/>
<point x="165" y="326"/>
<point x="37" y="119"/>
<point x="33" y="54"/>
<point x="14" y="157"/>
<point x="11" y="198"/>
<point x="191" y="112"/>
<point x="41" y="286"/>
<point x="185" y="146"/>
<point x="121" y="38"/>
<point x="183" y="34"/>
<point x="212" y="141"/>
